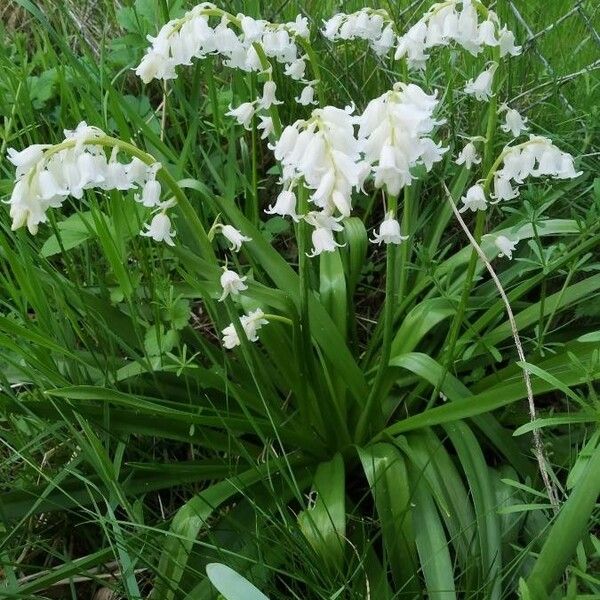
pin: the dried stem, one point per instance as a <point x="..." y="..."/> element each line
<point x="538" y="446"/>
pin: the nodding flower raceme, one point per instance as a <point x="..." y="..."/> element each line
<point x="232" y="284"/>
<point x="505" y="245"/>
<point x="393" y="135"/>
<point x="538" y="157"/>
<point x="444" y="24"/>
<point x="233" y="236"/>
<point x="482" y="86"/>
<point x="389" y="231"/>
<point x="374" y="26"/>
<point x="468" y="156"/>
<point x="251" y="323"/>
<point x="47" y="174"/>
<point x="474" y="199"/>
<point x="234" y="38"/>
<point x="323" y="152"/>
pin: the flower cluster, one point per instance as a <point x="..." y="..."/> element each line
<point x="538" y="157"/>
<point x="324" y="154"/>
<point x="46" y="175"/>
<point x="444" y="24"/>
<point x="374" y="26"/>
<point x="192" y="36"/>
<point x="393" y="135"/>
<point x="251" y="323"/>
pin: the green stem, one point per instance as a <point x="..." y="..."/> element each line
<point x="316" y="68"/>
<point x="488" y="167"/>
<point x="372" y="411"/>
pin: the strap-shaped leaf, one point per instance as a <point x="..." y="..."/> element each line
<point x="324" y="523"/>
<point x="231" y="584"/>
<point x="385" y="469"/>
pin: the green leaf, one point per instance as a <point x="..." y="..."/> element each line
<point x="231" y="584"/>
<point x="387" y="475"/>
<point x="324" y="524"/>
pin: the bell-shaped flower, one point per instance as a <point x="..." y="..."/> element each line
<point x="482" y="86"/>
<point x="307" y="96"/>
<point x="160" y="229"/>
<point x="474" y="199"/>
<point x="389" y="232"/>
<point x="243" y="114"/>
<point x="285" y="205"/>
<point x="506" y="41"/>
<point x="296" y="69"/>
<point x="251" y="323"/>
<point x="513" y="121"/>
<point x="268" y="98"/>
<point x="150" y="196"/>
<point x="323" y="241"/>
<point x="266" y="126"/>
<point x="25" y="159"/>
<point x="468" y="156"/>
<point x="232" y="284"/>
<point x="234" y="237"/>
<point x="505" y="245"/>
<point x="503" y="190"/>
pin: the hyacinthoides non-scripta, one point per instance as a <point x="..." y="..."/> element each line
<point x="326" y="159"/>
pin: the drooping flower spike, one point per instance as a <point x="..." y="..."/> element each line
<point x="47" y="174"/>
<point x="455" y="22"/>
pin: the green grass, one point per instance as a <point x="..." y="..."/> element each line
<point x="135" y="452"/>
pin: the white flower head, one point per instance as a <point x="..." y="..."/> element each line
<point x="160" y="229"/>
<point x="285" y="205"/>
<point x="266" y="126"/>
<point x="505" y="245"/>
<point x="474" y="199"/>
<point x="268" y="98"/>
<point x="251" y="323"/>
<point x="513" y="122"/>
<point x="482" y="86"/>
<point x="307" y="96"/>
<point x="27" y="158"/>
<point x="150" y="196"/>
<point x="389" y="232"/>
<point x="243" y="114"/>
<point x="232" y="284"/>
<point x="323" y="241"/>
<point x="468" y="156"/>
<point x="234" y="237"/>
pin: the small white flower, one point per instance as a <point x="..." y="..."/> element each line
<point x="307" y="96"/>
<point x="474" y="199"/>
<point x="513" y="122"/>
<point x="503" y="190"/>
<point x="505" y="245"/>
<point x="268" y="98"/>
<point x="506" y="41"/>
<point x="266" y="126"/>
<point x="296" y="69"/>
<point x="234" y="237"/>
<point x="26" y="158"/>
<point x="487" y="33"/>
<point x="251" y="323"/>
<point x="481" y="87"/>
<point x="160" y="229"/>
<point x="243" y="114"/>
<point x="323" y="241"/>
<point x="150" y="196"/>
<point x="468" y="156"/>
<point x="389" y="232"/>
<point x="232" y="284"/>
<point x="285" y="205"/>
